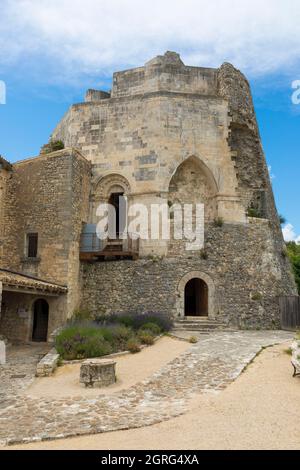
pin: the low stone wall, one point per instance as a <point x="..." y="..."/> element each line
<point x="48" y="364"/>
<point x="244" y="269"/>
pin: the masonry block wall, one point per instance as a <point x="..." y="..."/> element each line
<point x="177" y="133"/>
<point x="5" y="174"/>
<point x="48" y="195"/>
<point x="246" y="276"/>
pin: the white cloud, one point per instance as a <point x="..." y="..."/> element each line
<point x="272" y="176"/>
<point x="289" y="234"/>
<point x="100" y="36"/>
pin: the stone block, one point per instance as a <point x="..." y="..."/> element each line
<point x="98" y="373"/>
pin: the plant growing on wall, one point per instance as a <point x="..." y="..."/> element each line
<point x="218" y="222"/>
<point x="53" y="146"/>
<point x="254" y="212"/>
<point x="293" y="251"/>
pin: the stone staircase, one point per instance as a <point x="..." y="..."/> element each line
<point x="199" y="324"/>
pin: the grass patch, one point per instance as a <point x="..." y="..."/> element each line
<point x="288" y="351"/>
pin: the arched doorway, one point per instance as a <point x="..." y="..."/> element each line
<point x="118" y="202"/>
<point x="40" y="320"/>
<point x="196" y="298"/>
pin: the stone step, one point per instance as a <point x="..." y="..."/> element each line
<point x="113" y="247"/>
<point x="197" y="324"/>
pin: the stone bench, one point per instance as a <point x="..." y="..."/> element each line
<point x="97" y="372"/>
<point x="48" y="364"/>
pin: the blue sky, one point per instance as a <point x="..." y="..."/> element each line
<point x="52" y="51"/>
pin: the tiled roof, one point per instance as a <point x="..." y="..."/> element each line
<point x="23" y="281"/>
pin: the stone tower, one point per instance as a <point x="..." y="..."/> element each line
<point x="168" y="132"/>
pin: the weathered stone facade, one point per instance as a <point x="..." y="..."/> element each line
<point x="165" y="133"/>
<point x="243" y="275"/>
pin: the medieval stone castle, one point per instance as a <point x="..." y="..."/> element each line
<point x="166" y="132"/>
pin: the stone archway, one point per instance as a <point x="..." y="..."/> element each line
<point x="104" y="188"/>
<point x="201" y="286"/>
<point x="112" y="183"/>
<point x="196" y="298"/>
<point x="193" y="183"/>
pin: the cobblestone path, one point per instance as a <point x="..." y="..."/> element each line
<point x="210" y="365"/>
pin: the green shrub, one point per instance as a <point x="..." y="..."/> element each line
<point x="133" y="346"/>
<point x="256" y="296"/>
<point x="193" y="340"/>
<point x="146" y="337"/>
<point x="293" y="251"/>
<point x="53" y="146"/>
<point x="121" y="335"/>
<point x="218" y="222"/>
<point x="152" y="327"/>
<point x="106" y="333"/>
<point x="96" y="346"/>
<point x="136" y="320"/>
<point x="282" y="219"/>
<point x="164" y="322"/>
<point x="203" y="254"/>
<point x="79" y="342"/>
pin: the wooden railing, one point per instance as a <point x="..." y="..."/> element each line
<point x="92" y="247"/>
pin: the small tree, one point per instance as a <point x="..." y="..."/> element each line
<point x="53" y="146"/>
<point x="293" y="251"/>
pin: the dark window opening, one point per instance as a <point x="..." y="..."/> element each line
<point x="32" y="245"/>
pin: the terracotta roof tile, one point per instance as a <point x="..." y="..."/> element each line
<point x="14" y="279"/>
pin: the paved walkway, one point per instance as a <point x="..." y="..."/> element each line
<point x="208" y="366"/>
<point x="19" y="371"/>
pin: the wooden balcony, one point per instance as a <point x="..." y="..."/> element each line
<point x="93" y="249"/>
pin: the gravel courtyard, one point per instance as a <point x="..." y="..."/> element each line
<point x="208" y="366"/>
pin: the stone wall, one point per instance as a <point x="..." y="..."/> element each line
<point x="5" y="174"/>
<point x="16" y="319"/>
<point x="245" y="272"/>
<point x="48" y="195"/>
<point x="165" y="73"/>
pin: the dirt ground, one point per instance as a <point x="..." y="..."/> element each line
<point x="130" y="369"/>
<point x="260" y="410"/>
